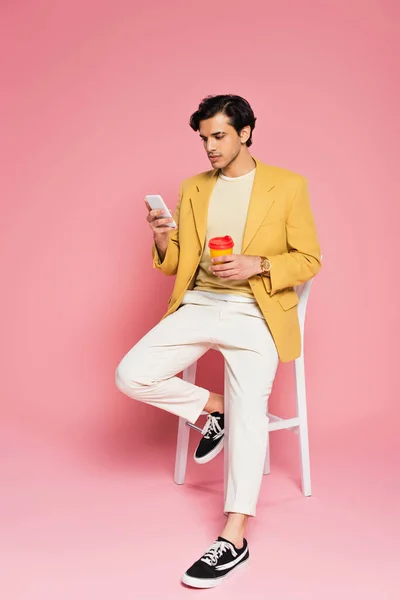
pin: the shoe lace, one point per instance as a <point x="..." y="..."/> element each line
<point x="211" y="427"/>
<point x="215" y="551"/>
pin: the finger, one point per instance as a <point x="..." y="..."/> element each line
<point x="147" y="205"/>
<point x="230" y="274"/>
<point x="224" y="259"/>
<point x="161" y="222"/>
<point x="156" y="223"/>
<point x="155" y="214"/>
<point x="223" y="267"/>
<point x="159" y="230"/>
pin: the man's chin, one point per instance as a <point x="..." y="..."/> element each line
<point x="217" y="164"/>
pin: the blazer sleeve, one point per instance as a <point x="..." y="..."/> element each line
<point x="169" y="265"/>
<point x="303" y="260"/>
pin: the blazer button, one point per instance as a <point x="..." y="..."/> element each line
<point x="199" y="252"/>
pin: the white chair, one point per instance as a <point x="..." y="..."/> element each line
<point x="297" y="424"/>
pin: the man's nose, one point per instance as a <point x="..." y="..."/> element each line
<point x="210" y="146"/>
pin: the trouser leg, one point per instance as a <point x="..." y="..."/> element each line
<point x="251" y="363"/>
<point x="148" y="371"/>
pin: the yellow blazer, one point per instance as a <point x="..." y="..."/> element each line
<point x="279" y="225"/>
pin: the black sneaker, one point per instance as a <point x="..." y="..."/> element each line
<point x="212" y="441"/>
<point x="216" y="565"/>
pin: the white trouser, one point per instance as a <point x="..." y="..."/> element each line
<point x="235" y="327"/>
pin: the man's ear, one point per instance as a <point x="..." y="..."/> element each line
<point x="245" y="134"/>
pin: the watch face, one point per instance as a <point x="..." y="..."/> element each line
<point x="266" y="265"/>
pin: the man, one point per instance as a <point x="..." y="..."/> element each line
<point x="243" y="305"/>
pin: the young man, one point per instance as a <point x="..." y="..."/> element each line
<point x="243" y="306"/>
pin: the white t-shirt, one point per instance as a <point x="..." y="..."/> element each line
<point x="227" y="215"/>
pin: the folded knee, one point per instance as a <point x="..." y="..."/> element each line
<point x="130" y="383"/>
<point x="126" y="381"/>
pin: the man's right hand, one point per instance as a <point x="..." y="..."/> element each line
<point x="160" y="230"/>
<point x="158" y="224"/>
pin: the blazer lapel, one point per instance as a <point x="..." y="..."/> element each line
<point x="200" y="200"/>
<point x="261" y="201"/>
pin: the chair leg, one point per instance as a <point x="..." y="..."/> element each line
<point x="267" y="463"/>
<point x="182" y="447"/>
<point x="303" y="425"/>
<point x="182" y="444"/>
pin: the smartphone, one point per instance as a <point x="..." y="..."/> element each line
<point x="157" y="203"/>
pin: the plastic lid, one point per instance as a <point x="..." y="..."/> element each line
<point x="221" y="243"/>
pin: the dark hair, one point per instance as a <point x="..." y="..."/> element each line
<point x="236" y="108"/>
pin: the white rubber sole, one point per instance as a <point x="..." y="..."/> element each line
<point x="210" y="455"/>
<point x="210" y="583"/>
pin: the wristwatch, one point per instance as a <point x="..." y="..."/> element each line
<point x="265" y="266"/>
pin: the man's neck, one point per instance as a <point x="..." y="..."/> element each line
<point x="241" y="166"/>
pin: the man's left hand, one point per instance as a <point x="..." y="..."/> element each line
<point x="236" y="266"/>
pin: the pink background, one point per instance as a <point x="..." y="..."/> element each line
<point x="95" y="103"/>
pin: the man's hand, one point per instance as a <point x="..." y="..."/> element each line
<point x="157" y="223"/>
<point x="236" y="266"/>
<point x="161" y="232"/>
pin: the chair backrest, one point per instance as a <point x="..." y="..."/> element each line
<point x="303" y="292"/>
